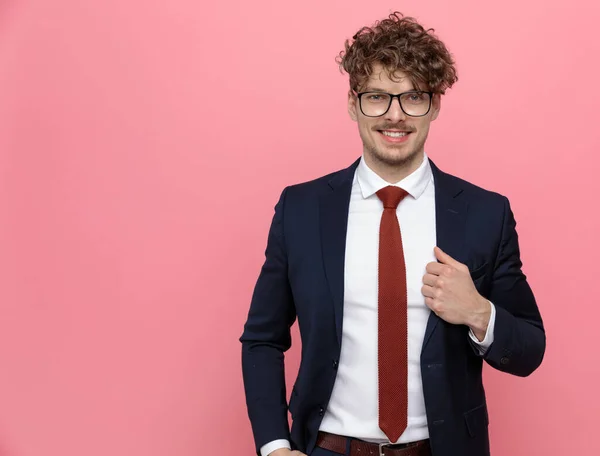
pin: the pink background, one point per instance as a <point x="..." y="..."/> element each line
<point x="143" y="146"/>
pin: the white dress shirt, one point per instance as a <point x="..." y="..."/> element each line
<point x="353" y="407"/>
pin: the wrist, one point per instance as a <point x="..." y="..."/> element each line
<point x="280" y="452"/>
<point x="480" y="318"/>
<point x="279" y="447"/>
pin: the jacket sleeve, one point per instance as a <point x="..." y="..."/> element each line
<point x="519" y="336"/>
<point x="266" y="337"/>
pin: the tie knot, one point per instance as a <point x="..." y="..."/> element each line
<point x="391" y="196"/>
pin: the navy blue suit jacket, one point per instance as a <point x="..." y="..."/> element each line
<point x="303" y="278"/>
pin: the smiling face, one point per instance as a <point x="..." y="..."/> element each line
<point x="394" y="142"/>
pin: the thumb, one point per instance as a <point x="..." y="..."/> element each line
<point x="444" y="258"/>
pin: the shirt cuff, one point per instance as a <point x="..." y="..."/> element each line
<point x="265" y="450"/>
<point x="489" y="334"/>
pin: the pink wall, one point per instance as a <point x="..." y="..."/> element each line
<point x="143" y="146"/>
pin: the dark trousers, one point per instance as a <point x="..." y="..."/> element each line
<point x="323" y="452"/>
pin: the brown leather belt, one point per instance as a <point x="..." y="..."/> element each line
<point x="338" y="444"/>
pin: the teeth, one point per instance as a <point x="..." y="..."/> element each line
<point x="394" y="134"/>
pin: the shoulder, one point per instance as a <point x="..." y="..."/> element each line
<point x="477" y="191"/>
<point x="322" y="184"/>
<point x="472" y="192"/>
<point x="484" y="206"/>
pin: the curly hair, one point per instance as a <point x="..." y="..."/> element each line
<point x="398" y="43"/>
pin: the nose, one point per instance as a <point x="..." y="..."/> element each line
<point x="395" y="113"/>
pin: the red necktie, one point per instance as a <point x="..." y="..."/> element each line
<point x="392" y="335"/>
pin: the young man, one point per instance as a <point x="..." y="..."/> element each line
<point x="404" y="279"/>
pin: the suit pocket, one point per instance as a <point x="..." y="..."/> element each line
<point x="478" y="272"/>
<point x="477" y="420"/>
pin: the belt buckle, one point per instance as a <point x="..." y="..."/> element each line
<point x="382" y="446"/>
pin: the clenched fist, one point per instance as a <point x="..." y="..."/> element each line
<point x="450" y="292"/>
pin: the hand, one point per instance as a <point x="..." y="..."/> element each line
<point x="286" y="452"/>
<point x="450" y="292"/>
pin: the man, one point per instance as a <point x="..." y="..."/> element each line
<point x="404" y="279"/>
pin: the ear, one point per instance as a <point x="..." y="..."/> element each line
<point x="436" y="104"/>
<point x="352" y="106"/>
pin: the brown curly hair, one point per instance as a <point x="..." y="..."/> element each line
<point x="399" y="43"/>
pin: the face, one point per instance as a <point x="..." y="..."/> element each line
<point x="389" y="151"/>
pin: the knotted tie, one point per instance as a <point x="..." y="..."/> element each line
<point x="392" y="319"/>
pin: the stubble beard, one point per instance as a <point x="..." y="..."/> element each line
<point x="403" y="161"/>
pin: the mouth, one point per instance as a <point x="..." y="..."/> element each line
<point x="395" y="136"/>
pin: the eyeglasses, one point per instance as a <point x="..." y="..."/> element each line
<point x="415" y="103"/>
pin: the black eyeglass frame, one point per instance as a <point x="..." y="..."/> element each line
<point x="392" y="96"/>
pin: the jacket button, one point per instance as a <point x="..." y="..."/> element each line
<point x="321" y="411"/>
<point x="335" y="364"/>
<point x="504" y="360"/>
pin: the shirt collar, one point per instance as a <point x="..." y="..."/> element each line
<point x="414" y="184"/>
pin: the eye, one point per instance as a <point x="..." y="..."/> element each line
<point x="416" y="98"/>
<point x="376" y="97"/>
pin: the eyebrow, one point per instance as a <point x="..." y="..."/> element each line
<point x="375" y="89"/>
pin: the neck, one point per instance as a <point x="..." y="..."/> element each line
<point x="394" y="172"/>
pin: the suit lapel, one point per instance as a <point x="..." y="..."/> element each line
<point x="333" y="210"/>
<point x="450" y="214"/>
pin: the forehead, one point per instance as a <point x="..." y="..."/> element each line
<point x="381" y="79"/>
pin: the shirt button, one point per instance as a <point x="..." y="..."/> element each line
<point x="335" y="363"/>
<point x="321" y="411"/>
<point x="504" y="360"/>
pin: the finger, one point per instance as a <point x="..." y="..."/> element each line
<point x="428" y="291"/>
<point x="430" y="279"/>
<point x="444" y="258"/>
<point x="429" y="302"/>
<point x="436" y="268"/>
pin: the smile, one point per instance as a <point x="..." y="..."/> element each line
<point x="394" y="134"/>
